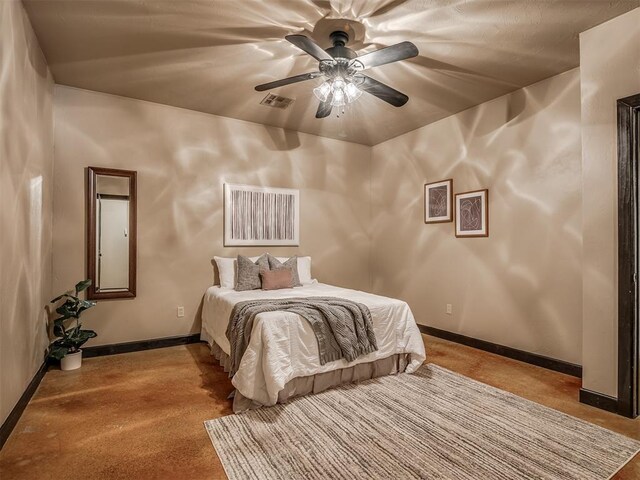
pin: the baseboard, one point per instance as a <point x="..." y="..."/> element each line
<point x="599" y="400"/>
<point x="527" y="357"/>
<point x="11" y="421"/>
<point x="128" y="347"/>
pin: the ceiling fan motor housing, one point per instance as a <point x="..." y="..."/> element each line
<point x="339" y="50"/>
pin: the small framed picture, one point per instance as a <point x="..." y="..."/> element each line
<point x="472" y="214"/>
<point x="438" y="199"/>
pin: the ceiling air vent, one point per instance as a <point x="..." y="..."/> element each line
<point x="276" y="101"/>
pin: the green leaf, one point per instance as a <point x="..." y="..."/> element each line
<point x="84" y="305"/>
<point x="68" y="309"/>
<point x="80" y="337"/>
<point x="65" y="294"/>
<point x="84" y="337"/>
<point x="58" y="330"/>
<point x="80" y="286"/>
<point x="57" y="352"/>
<point x="69" y="303"/>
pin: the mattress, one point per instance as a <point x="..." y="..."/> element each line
<point x="283" y="346"/>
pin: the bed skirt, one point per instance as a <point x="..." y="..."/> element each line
<point x="317" y="383"/>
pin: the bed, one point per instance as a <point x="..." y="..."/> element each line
<point x="281" y="360"/>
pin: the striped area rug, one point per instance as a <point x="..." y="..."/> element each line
<point x="434" y="424"/>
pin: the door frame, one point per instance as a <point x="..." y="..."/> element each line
<point x="628" y="348"/>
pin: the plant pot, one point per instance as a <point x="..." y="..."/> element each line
<point x="71" y="361"/>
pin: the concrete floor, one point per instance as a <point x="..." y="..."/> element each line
<point x="139" y="415"/>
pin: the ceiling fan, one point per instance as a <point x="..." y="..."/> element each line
<point x="342" y="68"/>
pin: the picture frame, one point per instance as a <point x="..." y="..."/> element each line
<point x="261" y="216"/>
<point x="472" y="213"/>
<point x="438" y="201"/>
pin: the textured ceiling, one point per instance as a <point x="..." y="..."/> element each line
<point x="208" y="55"/>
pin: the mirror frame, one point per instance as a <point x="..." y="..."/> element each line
<point x="93" y="173"/>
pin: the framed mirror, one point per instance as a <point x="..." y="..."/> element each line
<point x="111" y="233"/>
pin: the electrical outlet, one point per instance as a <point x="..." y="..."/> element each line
<point x="180" y="312"/>
<point x="449" y="309"/>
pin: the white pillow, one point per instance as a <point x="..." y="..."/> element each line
<point x="228" y="270"/>
<point x="304" y="269"/>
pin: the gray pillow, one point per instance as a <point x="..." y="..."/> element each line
<point x="248" y="277"/>
<point x="291" y="264"/>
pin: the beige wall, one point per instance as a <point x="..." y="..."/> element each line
<point x="522" y="286"/>
<point x="182" y="159"/>
<point x="610" y="69"/>
<point x="26" y="170"/>
<point x="524" y="147"/>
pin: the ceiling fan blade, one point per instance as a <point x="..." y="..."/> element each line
<point x="309" y="46"/>
<point x="383" y="92"/>
<point x="399" y="51"/>
<point x="324" y="109"/>
<point x="287" y="81"/>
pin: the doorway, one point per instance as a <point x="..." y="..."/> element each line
<point x="628" y="248"/>
<point x="113" y="243"/>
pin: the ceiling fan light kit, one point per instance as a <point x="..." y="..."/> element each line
<point x="341" y="68"/>
<point x="339" y="91"/>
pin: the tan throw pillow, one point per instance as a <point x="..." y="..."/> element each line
<point x="276" y="279"/>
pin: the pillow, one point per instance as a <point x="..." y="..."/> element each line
<point x="304" y="269"/>
<point x="227" y="270"/>
<point x="277" y="279"/>
<point x="248" y="272"/>
<point x="291" y="264"/>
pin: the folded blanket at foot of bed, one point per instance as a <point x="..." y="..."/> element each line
<point x="343" y="328"/>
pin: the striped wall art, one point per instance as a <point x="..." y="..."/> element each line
<point x="261" y="216"/>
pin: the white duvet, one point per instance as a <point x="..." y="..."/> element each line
<point x="283" y="346"/>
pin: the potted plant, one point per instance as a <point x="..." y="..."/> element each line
<point x="67" y="329"/>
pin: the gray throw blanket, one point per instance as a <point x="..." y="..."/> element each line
<point x="343" y="328"/>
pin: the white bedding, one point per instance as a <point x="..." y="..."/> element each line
<point x="283" y="346"/>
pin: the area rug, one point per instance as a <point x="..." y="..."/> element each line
<point x="433" y="424"/>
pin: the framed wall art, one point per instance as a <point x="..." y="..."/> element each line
<point x="261" y="216"/>
<point x="472" y="214"/>
<point x="438" y="201"/>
